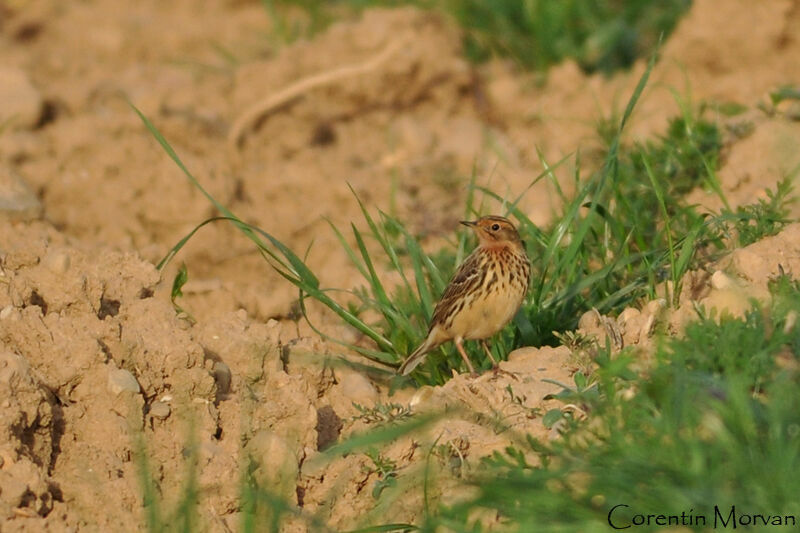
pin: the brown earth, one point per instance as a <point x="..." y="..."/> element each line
<point x="92" y="354"/>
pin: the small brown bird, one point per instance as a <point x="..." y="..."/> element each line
<point x="484" y="294"/>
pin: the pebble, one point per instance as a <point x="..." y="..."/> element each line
<point x="721" y="281"/>
<point x="356" y="387"/>
<point x="651" y="311"/>
<point x="159" y="410"/>
<point x="627" y="315"/>
<point x="120" y="380"/>
<point x="20" y="102"/>
<point x="57" y="262"/>
<point x="222" y="375"/>
<point x="791" y="320"/>
<point x="654" y="307"/>
<point x="6" y="312"/>
<point x="17" y="201"/>
<point x="422" y="396"/>
<point x="647" y="327"/>
<point x="589" y="320"/>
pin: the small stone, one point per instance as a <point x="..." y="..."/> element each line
<point x="20" y="102"/>
<point x="120" y="380"/>
<point x="57" y="261"/>
<point x="422" y="396"/>
<point x="589" y="320"/>
<point x="651" y="313"/>
<point x="17" y="200"/>
<point x="159" y="410"/>
<point x="222" y="375"/>
<point x="647" y="327"/>
<point x="791" y="320"/>
<point x="721" y="281"/>
<point x="6" y="312"/>
<point x="654" y="307"/>
<point x="628" y="314"/>
<point x="356" y="387"/>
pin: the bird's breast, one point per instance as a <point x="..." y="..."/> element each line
<point x="499" y="296"/>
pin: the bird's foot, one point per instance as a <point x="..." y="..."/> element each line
<point x="496" y="370"/>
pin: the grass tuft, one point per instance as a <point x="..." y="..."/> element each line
<point x="766" y="217"/>
<point x="602" y="36"/>
<point x="712" y="423"/>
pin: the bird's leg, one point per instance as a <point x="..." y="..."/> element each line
<point x="495" y="367"/>
<point x="460" y="347"/>
<point x="489" y="353"/>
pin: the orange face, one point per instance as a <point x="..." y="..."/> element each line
<point x="493" y="229"/>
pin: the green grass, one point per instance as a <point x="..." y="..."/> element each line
<point x="604" y="35"/>
<point x="183" y="515"/>
<point x="601" y="36"/>
<point x="714" y="419"/>
<point x="766" y="217"/>
<point x="712" y="422"/>
<point x="616" y="240"/>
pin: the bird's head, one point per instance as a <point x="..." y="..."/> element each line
<point x="494" y="230"/>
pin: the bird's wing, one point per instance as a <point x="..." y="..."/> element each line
<point x="469" y="276"/>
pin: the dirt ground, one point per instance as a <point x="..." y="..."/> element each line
<point x="92" y="354"/>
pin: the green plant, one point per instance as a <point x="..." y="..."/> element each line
<point x="707" y="423"/>
<point x="779" y="95"/>
<point x="576" y="399"/>
<point x="287" y="28"/>
<point x="712" y="423"/>
<point x="766" y="217"/>
<point x="382" y="412"/>
<point x="624" y="231"/>
<point x="603" y="257"/>
<point x="180" y="280"/>
<point x="601" y="36"/>
<point x="183" y="516"/>
<point x="681" y="157"/>
<point x="530" y="412"/>
<point x="385" y="468"/>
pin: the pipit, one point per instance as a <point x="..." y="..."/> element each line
<point x="483" y="295"/>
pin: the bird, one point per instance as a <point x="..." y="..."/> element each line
<point x="484" y="294"/>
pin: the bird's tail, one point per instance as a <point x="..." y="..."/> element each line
<point x="418" y="355"/>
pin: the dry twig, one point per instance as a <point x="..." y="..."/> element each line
<point x="294" y="91"/>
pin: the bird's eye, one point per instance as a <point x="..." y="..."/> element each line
<point x="495" y="226"/>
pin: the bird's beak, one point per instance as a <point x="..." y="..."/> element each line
<point x="469" y="223"/>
